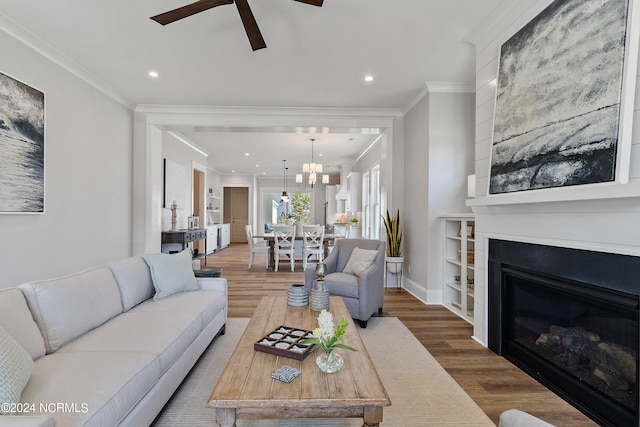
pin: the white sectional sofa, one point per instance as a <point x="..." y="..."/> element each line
<point x="104" y="352"/>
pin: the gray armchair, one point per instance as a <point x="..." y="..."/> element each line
<point x="363" y="295"/>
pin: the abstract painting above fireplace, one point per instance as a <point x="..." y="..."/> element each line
<point x="561" y="118"/>
<point x="570" y="319"/>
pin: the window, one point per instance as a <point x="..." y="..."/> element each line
<point x="296" y="209"/>
<point x="371" y="203"/>
<point x="366" y="217"/>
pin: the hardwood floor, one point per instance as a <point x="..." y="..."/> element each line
<point x="492" y="382"/>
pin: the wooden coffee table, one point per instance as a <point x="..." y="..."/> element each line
<point x="246" y="389"/>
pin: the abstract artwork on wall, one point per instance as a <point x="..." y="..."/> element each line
<point x="559" y="98"/>
<point x="21" y="147"/>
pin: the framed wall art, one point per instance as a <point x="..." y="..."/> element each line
<point x="22" y="147"/>
<point x="565" y="93"/>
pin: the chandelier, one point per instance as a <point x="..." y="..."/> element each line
<point x="310" y="171"/>
<point x="285" y="196"/>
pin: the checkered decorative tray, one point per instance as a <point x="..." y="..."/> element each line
<point x="285" y="341"/>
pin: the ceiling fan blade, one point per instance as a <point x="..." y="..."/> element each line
<point x="312" y="2"/>
<point x="250" y="25"/>
<point x="188" y="10"/>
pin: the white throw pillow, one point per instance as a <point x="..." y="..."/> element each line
<point x="15" y="369"/>
<point x="359" y="261"/>
<point x="171" y="273"/>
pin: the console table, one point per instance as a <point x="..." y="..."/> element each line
<point x="186" y="236"/>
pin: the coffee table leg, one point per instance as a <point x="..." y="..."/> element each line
<point x="226" y="417"/>
<point x="372" y="416"/>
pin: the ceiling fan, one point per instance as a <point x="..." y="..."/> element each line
<point x="248" y="20"/>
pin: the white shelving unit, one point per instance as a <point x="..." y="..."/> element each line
<point x="459" y="272"/>
<point x="214" y="211"/>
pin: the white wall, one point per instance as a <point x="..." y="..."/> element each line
<point x="88" y="177"/>
<point x="438" y="150"/>
<point x="182" y="154"/>
<point x="594" y="218"/>
<point x="416" y="177"/>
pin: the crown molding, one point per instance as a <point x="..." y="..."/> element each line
<point x="438" y="87"/>
<point x="450" y="87"/>
<point x="30" y="40"/>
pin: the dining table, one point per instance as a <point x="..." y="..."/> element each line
<point x="329" y="238"/>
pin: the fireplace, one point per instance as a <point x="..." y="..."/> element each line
<point x="570" y="319"/>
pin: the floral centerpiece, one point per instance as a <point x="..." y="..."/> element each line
<point x="328" y="339"/>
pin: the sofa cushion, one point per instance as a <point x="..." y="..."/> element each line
<point x="359" y="261"/>
<point x="342" y="284"/>
<point x="67" y="307"/>
<point x="206" y="304"/>
<point x="15" y="368"/>
<point x="98" y="388"/>
<point x="17" y="320"/>
<point x="134" y="280"/>
<point x="171" y="274"/>
<point x="163" y="334"/>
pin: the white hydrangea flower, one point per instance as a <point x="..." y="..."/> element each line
<point x="325" y="323"/>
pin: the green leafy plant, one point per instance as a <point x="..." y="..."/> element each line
<point x="394" y="234"/>
<point x="324" y="335"/>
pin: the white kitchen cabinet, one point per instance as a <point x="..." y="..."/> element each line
<point x="212" y="238"/>
<point x="354" y="188"/>
<point x="225" y="235"/>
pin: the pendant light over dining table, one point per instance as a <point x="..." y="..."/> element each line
<point x="310" y="171"/>
<point x="285" y="195"/>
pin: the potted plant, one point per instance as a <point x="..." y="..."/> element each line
<point x="354" y="222"/>
<point x="394" y="242"/>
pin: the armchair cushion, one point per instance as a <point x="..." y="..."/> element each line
<point x="359" y="261"/>
<point x="342" y="284"/>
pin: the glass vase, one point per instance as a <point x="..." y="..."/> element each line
<point x="329" y="363"/>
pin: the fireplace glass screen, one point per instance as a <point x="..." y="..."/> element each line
<point x="582" y="336"/>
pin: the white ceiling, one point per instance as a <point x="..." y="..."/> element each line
<point x="315" y="57"/>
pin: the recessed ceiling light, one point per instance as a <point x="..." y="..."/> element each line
<point x="257" y="166"/>
<point x="246" y="154"/>
<point x="368" y="78"/>
<point x="154" y="74"/>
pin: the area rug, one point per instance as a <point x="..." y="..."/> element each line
<point x="421" y="391"/>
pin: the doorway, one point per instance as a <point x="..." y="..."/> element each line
<point x="199" y="204"/>
<point x="236" y="212"/>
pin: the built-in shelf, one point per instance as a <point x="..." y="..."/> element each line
<point x="459" y="255"/>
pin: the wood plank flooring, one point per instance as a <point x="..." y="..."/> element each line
<point x="492" y="382"/>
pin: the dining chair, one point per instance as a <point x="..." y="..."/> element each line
<point x="256" y="246"/>
<point x="342" y="233"/>
<point x="284" y="238"/>
<point x="312" y="243"/>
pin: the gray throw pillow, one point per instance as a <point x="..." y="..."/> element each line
<point x="15" y="369"/>
<point x="171" y="274"/>
<point x="360" y="260"/>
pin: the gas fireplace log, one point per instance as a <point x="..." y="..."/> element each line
<point x="618" y="360"/>
<point x="573" y="332"/>
<point x="613" y="381"/>
<point x="610" y="362"/>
